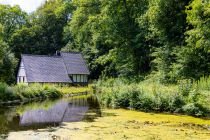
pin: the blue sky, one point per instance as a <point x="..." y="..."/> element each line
<point x="26" y="5"/>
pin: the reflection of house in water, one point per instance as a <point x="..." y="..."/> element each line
<point x="63" y="111"/>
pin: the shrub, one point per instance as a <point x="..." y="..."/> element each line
<point x="106" y="99"/>
<point x="176" y="103"/>
<point x="52" y="93"/>
<point x="146" y="102"/>
<point x="151" y="96"/>
<point x="185" y="86"/>
<point x="10" y="93"/>
<point x="203" y="83"/>
<point x="133" y="97"/>
<point x="195" y="109"/>
<point x="3" y="95"/>
<point x="162" y="102"/>
<point x="122" y="99"/>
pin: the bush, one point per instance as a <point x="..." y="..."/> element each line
<point x="150" y="96"/>
<point x="176" y="103"/>
<point x="146" y="102"/>
<point x="3" y="87"/>
<point x="23" y="91"/>
<point x="52" y="92"/>
<point x="195" y="109"/>
<point x="3" y="95"/>
<point x="203" y="83"/>
<point x="6" y="92"/>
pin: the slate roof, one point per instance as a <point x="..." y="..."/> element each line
<point x="53" y="69"/>
<point x="45" y="69"/>
<point x="75" y="63"/>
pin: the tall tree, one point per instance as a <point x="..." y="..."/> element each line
<point x="44" y="34"/>
<point x="194" y="59"/>
<point x="106" y="32"/>
<point x="7" y="64"/>
<point x="12" y="18"/>
<point x="167" y="25"/>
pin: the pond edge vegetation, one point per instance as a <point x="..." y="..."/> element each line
<point x="188" y="97"/>
<point x="27" y="93"/>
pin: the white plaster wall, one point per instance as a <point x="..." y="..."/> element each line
<point x="21" y="74"/>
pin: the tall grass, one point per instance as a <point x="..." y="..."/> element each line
<point x="23" y="91"/>
<point x="186" y="97"/>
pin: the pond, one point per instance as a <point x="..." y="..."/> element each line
<point x="43" y="114"/>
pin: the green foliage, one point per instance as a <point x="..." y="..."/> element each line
<point x="3" y="87"/>
<point x="194" y="57"/>
<point x="108" y="34"/>
<point x="12" y="19"/>
<point x="36" y="91"/>
<point x="44" y="32"/>
<point x="167" y="25"/>
<point x="23" y="91"/>
<point x="119" y="38"/>
<point x="5" y="92"/>
<point x="195" y="109"/>
<point x="203" y="83"/>
<point x="7" y="64"/>
<point x="185" y="98"/>
<point x="198" y="15"/>
<point x="185" y="87"/>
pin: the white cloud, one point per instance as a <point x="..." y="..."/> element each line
<point x="27" y="5"/>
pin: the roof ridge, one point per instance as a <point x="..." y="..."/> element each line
<point x="65" y="66"/>
<point x="36" y="55"/>
<point x="72" y="52"/>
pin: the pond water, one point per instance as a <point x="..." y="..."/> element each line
<point x="48" y="113"/>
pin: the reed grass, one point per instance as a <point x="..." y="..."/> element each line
<point x="186" y="97"/>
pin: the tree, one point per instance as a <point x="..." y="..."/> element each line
<point x="167" y="26"/>
<point x="7" y="64"/>
<point x="12" y="19"/>
<point x="194" y="59"/>
<point x="106" y="32"/>
<point x="44" y="33"/>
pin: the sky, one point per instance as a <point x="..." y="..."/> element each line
<point x="26" y="5"/>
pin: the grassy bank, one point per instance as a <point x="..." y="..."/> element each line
<point x="187" y="97"/>
<point x="22" y="92"/>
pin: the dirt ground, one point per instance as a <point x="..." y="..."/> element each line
<point x="125" y="124"/>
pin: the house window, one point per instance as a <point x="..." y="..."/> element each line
<point x="78" y="78"/>
<point x="82" y="78"/>
<point x="74" y="78"/>
<point x="23" y="79"/>
<point x="85" y="78"/>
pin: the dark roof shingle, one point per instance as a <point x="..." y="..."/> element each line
<point x="75" y="63"/>
<point x="46" y="69"/>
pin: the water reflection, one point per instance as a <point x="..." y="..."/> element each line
<point x="48" y="113"/>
